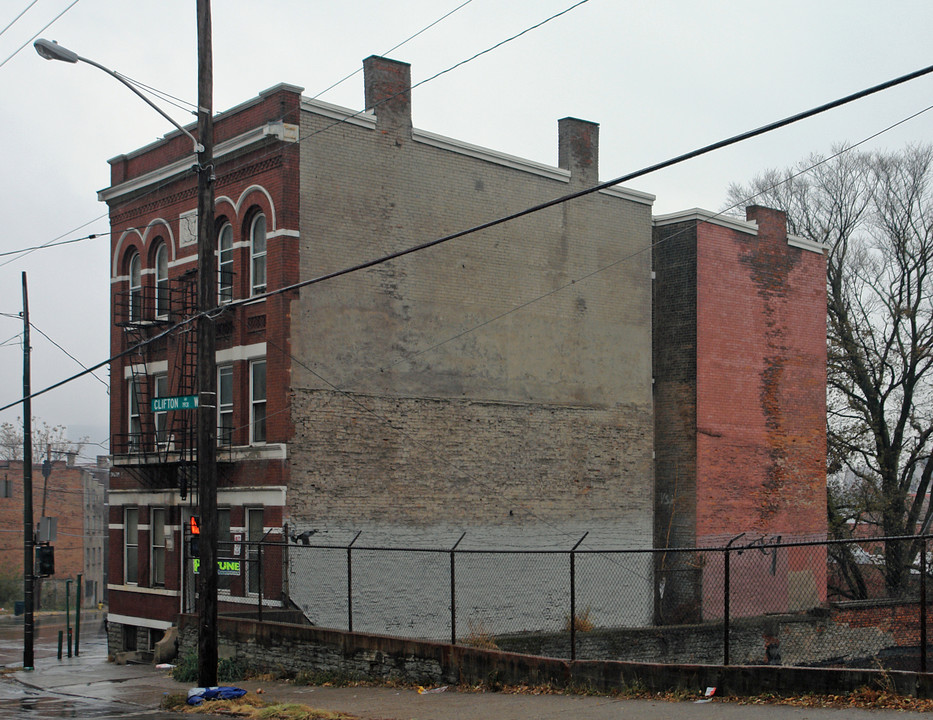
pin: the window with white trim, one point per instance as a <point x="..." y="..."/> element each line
<point x="225" y="264"/>
<point x="136" y="287"/>
<point x="257" y="251"/>
<point x="131" y="546"/>
<point x="157" y="545"/>
<point x="225" y="405"/>
<point x="134" y="427"/>
<point x="257" y="394"/>
<point x="161" y="283"/>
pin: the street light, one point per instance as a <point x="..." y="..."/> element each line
<point x="51" y="50"/>
<point x="206" y="300"/>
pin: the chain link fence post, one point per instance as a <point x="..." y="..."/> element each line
<point x="350" y="582"/>
<point x="725" y="609"/>
<point x="923" y="605"/>
<point x="453" y="593"/>
<point x="259" y="572"/>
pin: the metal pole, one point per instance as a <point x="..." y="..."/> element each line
<point x="78" y="613"/>
<point x="68" y="612"/>
<point x="350" y="583"/>
<point x="206" y="360"/>
<point x="259" y="560"/>
<point x="453" y="594"/>
<point x="573" y="598"/>
<point x="725" y="611"/>
<point x="28" y="536"/>
<point x="923" y="605"/>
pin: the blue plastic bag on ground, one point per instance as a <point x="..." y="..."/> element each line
<point x="219" y="692"/>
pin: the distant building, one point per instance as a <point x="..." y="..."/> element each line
<point x="74" y="496"/>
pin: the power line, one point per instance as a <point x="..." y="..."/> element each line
<point x="501" y="220"/>
<point x="28" y="251"/>
<point x="94" y="375"/>
<point x="394" y="47"/>
<point x="43" y="29"/>
<point x="596" y="188"/>
<point x="351" y="116"/>
<point x="51" y="244"/>
<point x="22" y="12"/>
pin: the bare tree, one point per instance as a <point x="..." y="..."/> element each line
<point x="874" y="211"/>
<point x="46" y="440"/>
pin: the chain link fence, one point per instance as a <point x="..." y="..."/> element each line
<point x="754" y="602"/>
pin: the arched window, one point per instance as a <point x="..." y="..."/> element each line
<point x="257" y="250"/>
<point x="161" y="284"/>
<point x="225" y="264"/>
<point x="136" y="287"/>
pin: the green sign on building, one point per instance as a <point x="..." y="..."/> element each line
<point x="179" y="402"/>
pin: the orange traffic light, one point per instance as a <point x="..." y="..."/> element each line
<point x="195" y="525"/>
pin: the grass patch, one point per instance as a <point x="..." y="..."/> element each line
<point x="250" y="707"/>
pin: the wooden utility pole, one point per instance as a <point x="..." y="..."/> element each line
<point x="28" y="532"/>
<point x="207" y="363"/>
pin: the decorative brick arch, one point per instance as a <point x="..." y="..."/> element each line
<point x="121" y="251"/>
<point x="248" y="200"/>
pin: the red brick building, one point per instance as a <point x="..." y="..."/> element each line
<point x="154" y="269"/>
<point x="740" y="414"/>
<point x="74" y="495"/>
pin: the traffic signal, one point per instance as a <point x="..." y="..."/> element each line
<point x="194" y="545"/>
<point x="45" y="560"/>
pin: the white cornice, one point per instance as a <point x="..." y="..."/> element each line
<point x="284" y="132"/>
<point x="364" y="119"/>
<point x="700" y="215"/>
<point x="271" y="495"/>
<point x="746" y="226"/>
<point x="805" y="244"/>
<point x="132" y="619"/>
<point x="481" y="153"/>
<point x="628" y="194"/>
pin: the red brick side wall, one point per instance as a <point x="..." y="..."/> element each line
<point x="761" y="411"/>
<point x="761" y="384"/>
<point x="899" y="619"/>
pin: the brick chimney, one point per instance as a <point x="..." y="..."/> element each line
<point x="387" y="85"/>
<point x="771" y="223"/>
<point x="578" y="150"/>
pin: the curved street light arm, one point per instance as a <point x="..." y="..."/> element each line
<point x="54" y="51"/>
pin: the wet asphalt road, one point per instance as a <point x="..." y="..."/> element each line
<point x="81" y="684"/>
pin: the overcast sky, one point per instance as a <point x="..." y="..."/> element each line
<point x="660" y="77"/>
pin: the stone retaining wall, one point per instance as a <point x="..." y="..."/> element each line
<point x="293" y="648"/>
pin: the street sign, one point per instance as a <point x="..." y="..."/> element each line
<point x="178" y="402"/>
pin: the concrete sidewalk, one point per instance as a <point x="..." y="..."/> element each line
<point x="89" y="686"/>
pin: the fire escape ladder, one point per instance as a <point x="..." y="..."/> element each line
<point x="183" y="424"/>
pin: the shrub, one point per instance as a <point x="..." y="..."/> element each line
<point x="581" y="622"/>
<point x="228" y="669"/>
<point x="480" y="637"/>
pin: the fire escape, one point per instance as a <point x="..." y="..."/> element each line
<point x="159" y="449"/>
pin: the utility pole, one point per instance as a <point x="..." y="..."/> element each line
<point x="207" y="363"/>
<point x="28" y="537"/>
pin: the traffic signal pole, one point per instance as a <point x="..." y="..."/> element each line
<point x="207" y="362"/>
